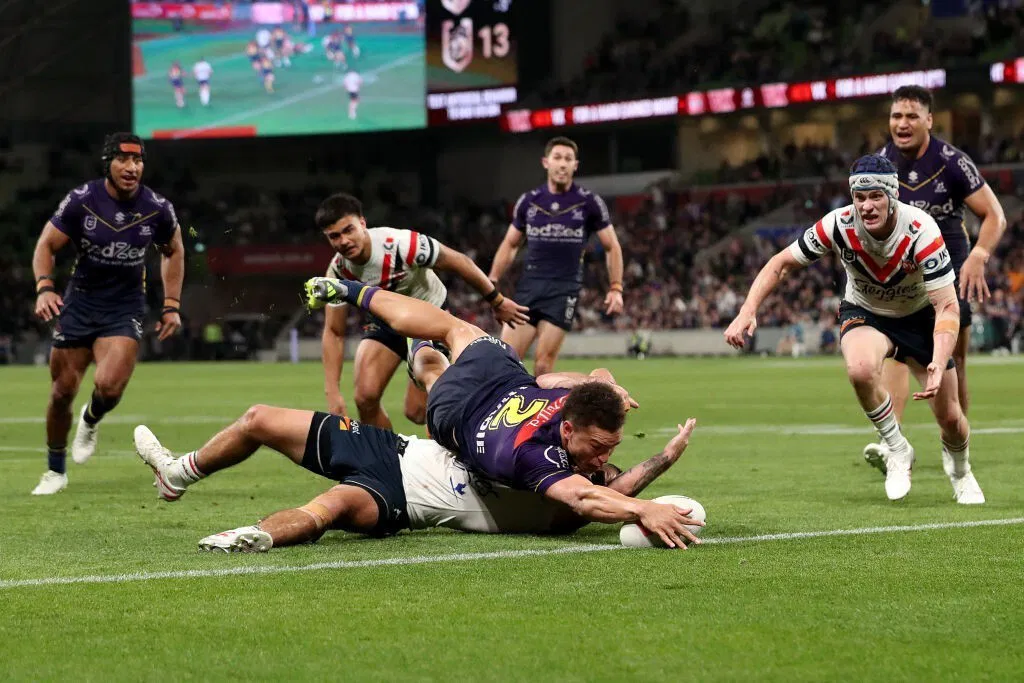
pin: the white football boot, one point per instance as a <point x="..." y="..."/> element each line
<point x="159" y="460"/>
<point x="966" y="490"/>
<point x="246" y="539"/>
<point x="84" y="444"/>
<point x="51" y="483"/>
<point x="874" y="453"/>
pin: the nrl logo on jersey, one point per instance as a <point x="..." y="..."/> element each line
<point x="457" y="43"/>
<point x="848" y="255"/>
<point x="89" y="223"/>
<point x="456" y="6"/>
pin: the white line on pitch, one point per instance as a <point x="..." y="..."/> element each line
<point x="468" y="557"/>
<point x="823" y="429"/>
<point x="249" y="114"/>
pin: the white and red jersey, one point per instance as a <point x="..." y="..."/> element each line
<point x="400" y="261"/>
<point x="891" y="277"/>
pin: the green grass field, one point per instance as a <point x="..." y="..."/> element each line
<point x="309" y="96"/>
<point x="95" y="582"/>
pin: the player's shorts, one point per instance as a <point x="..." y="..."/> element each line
<point x="549" y="300"/>
<point x="959" y="248"/>
<point x="354" y="96"/>
<point x="80" y="325"/>
<point x="356" y="454"/>
<point x="203" y="83"/>
<point x="376" y="329"/>
<point x="487" y="369"/>
<point x="911" y="335"/>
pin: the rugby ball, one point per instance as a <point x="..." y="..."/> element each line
<point x="636" y="536"/>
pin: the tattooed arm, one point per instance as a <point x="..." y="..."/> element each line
<point x="637" y="478"/>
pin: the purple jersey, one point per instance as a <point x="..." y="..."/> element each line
<point x="938" y="183"/>
<point x="517" y="441"/>
<point x="557" y="228"/>
<point x="111" y="238"/>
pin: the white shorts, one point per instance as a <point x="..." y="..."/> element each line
<point x="439" y="491"/>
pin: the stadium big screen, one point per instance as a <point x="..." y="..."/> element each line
<point x="277" y="68"/>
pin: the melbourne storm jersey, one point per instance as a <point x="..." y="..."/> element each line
<point x="111" y="237"/>
<point x="400" y="261"/>
<point x="557" y="228"/>
<point x="891" y="278"/>
<point x="938" y="183"/>
<point x="517" y="441"/>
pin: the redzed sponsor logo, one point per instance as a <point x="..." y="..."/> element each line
<point x="180" y="10"/>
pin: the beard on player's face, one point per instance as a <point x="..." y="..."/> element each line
<point x="589" y="447"/>
<point x="126" y="173"/>
<point x="560" y="165"/>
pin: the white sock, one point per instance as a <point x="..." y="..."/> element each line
<point x="185" y="471"/>
<point x="884" y="419"/>
<point x="204" y="97"/>
<point x="961" y="456"/>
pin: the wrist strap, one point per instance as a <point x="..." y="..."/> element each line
<point x="494" y="294"/>
<point x="169" y="309"/>
<point x="45" y="288"/>
<point x="497" y="302"/>
<point x="616" y="287"/>
<point x="44" y="277"/>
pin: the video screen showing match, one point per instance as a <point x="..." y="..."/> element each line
<point x="240" y="69"/>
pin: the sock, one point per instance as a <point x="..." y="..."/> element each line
<point x="884" y="419"/>
<point x="417" y="345"/>
<point x="204" y="97"/>
<point x="185" y="470"/>
<point x="98" y="407"/>
<point x="359" y="293"/>
<point x="961" y="455"/>
<point x="55" y="457"/>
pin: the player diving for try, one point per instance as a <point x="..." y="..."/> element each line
<point x="556" y="220"/>
<point x="543" y="434"/>
<point x="111" y="222"/>
<point x="940" y="179"/>
<point x="387" y="482"/>
<point x="900" y="303"/>
<point x="404" y="261"/>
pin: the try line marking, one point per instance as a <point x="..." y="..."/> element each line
<point x="467" y="557"/>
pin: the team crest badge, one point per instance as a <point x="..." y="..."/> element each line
<point x="456" y="6"/>
<point x="908" y="265"/>
<point x="848" y="255"/>
<point x="457" y="43"/>
<point x="89" y="223"/>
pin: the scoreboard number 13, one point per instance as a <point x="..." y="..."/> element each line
<point x="494" y="40"/>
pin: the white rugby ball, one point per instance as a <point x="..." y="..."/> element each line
<point x="637" y="536"/>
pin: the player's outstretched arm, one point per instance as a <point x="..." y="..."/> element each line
<point x="613" y="259"/>
<point x="172" y="273"/>
<point x="984" y="203"/>
<point x="771" y="274"/>
<point x="506" y="253"/>
<point x="333" y="354"/>
<point x="947" y="329"/>
<point x="637" y="478"/>
<point x="601" y="504"/>
<point x="48" y="301"/>
<point x="568" y="380"/>
<point x="505" y="310"/>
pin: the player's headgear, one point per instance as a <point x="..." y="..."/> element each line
<point x="121" y="143"/>
<point x="875" y="172"/>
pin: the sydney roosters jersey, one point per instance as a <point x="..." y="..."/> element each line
<point x="400" y="261"/>
<point x="891" y="277"/>
<point x="517" y="441"/>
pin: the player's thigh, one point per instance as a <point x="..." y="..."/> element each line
<point x="519" y="337"/>
<point x="375" y="365"/>
<point x="115" y="362"/>
<point x="896" y="375"/>
<point x="550" y="338"/>
<point x="415" y="403"/>
<point x="350" y="508"/>
<point x="945" y="404"/>
<point x="864" y="350"/>
<point x="286" y="430"/>
<point x="67" y="367"/>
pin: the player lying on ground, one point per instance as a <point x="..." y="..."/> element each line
<point x="538" y="434"/>
<point x="401" y="260"/>
<point x="111" y="222"/>
<point x="896" y="264"/>
<point x="388" y="482"/>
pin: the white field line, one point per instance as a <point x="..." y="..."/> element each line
<point x="251" y="114"/>
<point x="1012" y="427"/>
<point x="468" y="557"/>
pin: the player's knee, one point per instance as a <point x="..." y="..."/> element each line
<point x="109" y="389"/>
<point x="862" y="373"/>
<point x="64" y="390"/>
<point x="417" y="414"/>
<point x="367" y="401"/>
<point x="254" y="420"/>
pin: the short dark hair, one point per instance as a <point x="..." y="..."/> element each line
<point x="561" y="141"/>
<point x="336" y="207"/>
<point x="594" y="404"/>
<point x="914" y="93"/>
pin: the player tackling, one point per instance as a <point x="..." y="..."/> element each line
<point x="111" y="222"/>
<point x="940" y="179"/>
<point x="556" y="220"/>
<point x="900" y="302"/>
<point x="404" y="261"/>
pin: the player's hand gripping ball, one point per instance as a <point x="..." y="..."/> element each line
<point x="636" y="536"/>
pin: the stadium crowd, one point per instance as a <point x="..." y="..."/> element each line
<point x="762" y="42"/>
